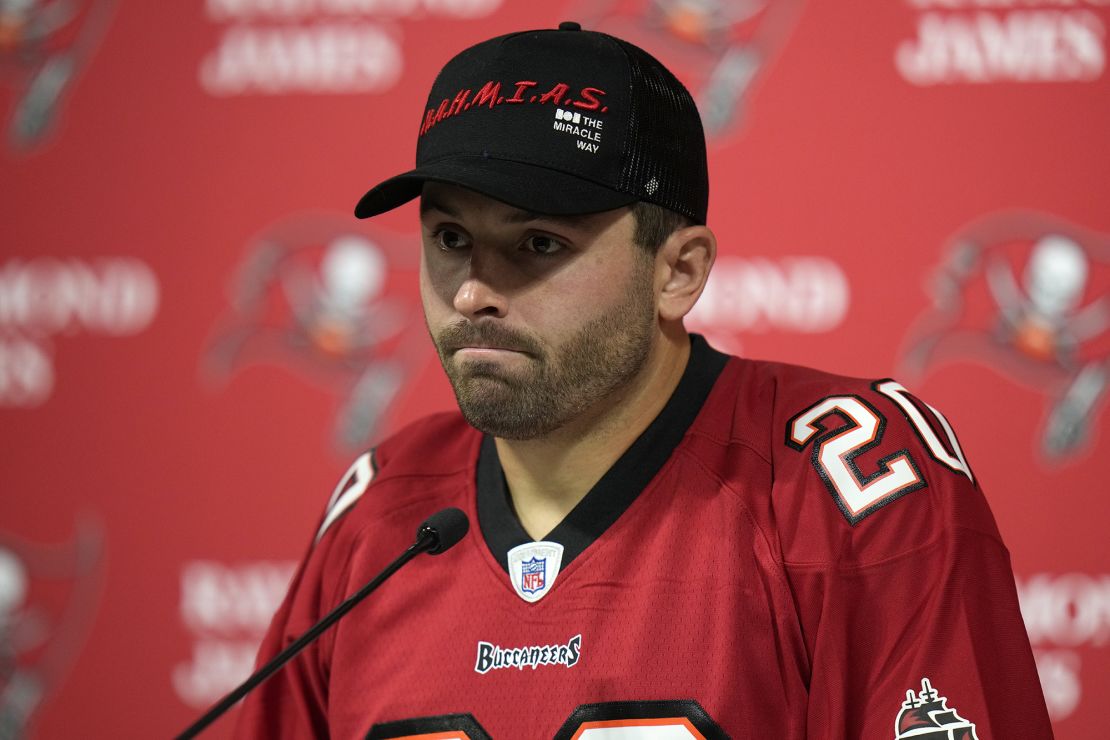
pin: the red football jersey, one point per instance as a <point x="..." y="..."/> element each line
<point x="783" y="553"/>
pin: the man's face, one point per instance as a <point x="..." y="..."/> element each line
<point x="537" y="319"/>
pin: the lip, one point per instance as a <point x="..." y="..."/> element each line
<point x="476" y="353"/>
<point x="480" y="350"/>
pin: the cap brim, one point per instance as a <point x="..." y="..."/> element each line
<point x="525" y="186"/>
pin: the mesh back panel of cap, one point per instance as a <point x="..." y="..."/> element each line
<point x="665" y="164"/>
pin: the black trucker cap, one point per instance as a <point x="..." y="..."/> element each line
<point x="558" y="122"/>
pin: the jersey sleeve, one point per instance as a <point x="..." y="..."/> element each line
<point x="293" y="702"/>
<point x="904" y="588"/>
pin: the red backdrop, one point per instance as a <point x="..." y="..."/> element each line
<point x="196" y="336"/>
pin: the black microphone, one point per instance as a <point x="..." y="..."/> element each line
<point x="447" y="527"/>
<point x="439" y="532"/>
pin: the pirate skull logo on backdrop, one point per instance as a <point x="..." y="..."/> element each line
<point x="196" y="338"/>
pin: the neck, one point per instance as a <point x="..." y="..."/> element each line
<point x="548" y="476"/>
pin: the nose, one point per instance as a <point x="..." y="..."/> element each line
<point x="478" y="294"/>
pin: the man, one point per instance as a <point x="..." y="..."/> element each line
<point x="667" y="542"/>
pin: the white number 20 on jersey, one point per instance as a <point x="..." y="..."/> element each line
<point x="858" y="492"/>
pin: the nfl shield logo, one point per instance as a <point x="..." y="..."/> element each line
<point x="532" y="575"/>
<point x="533" y="568"/>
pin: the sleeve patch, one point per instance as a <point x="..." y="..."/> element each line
<point x="927" y="714"/>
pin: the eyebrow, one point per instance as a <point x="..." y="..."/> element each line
<point x="516" y="216"/>
<point x="431" y="204"/>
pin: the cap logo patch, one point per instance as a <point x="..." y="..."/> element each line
<point x="533" y="568"/>
<point x="587" y="129"/>
<point x="490" y="95"/>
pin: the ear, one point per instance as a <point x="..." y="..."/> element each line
<point x="682" y="266"/>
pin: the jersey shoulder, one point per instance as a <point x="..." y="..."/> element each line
<point x="373" y="514"/>
<point x="436" y="445"/>
<point x="409" y="463"/>
<point x="863" y="469"/>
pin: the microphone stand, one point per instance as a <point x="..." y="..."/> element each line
<point x="427" y="541"/>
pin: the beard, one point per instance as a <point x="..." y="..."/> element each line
<point x="558" y="384"/>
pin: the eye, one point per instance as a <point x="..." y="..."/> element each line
<point x="449" y="240"/>
<point x="543" y="244"/>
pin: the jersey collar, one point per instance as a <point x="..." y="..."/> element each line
<point x="621" y="484"/>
